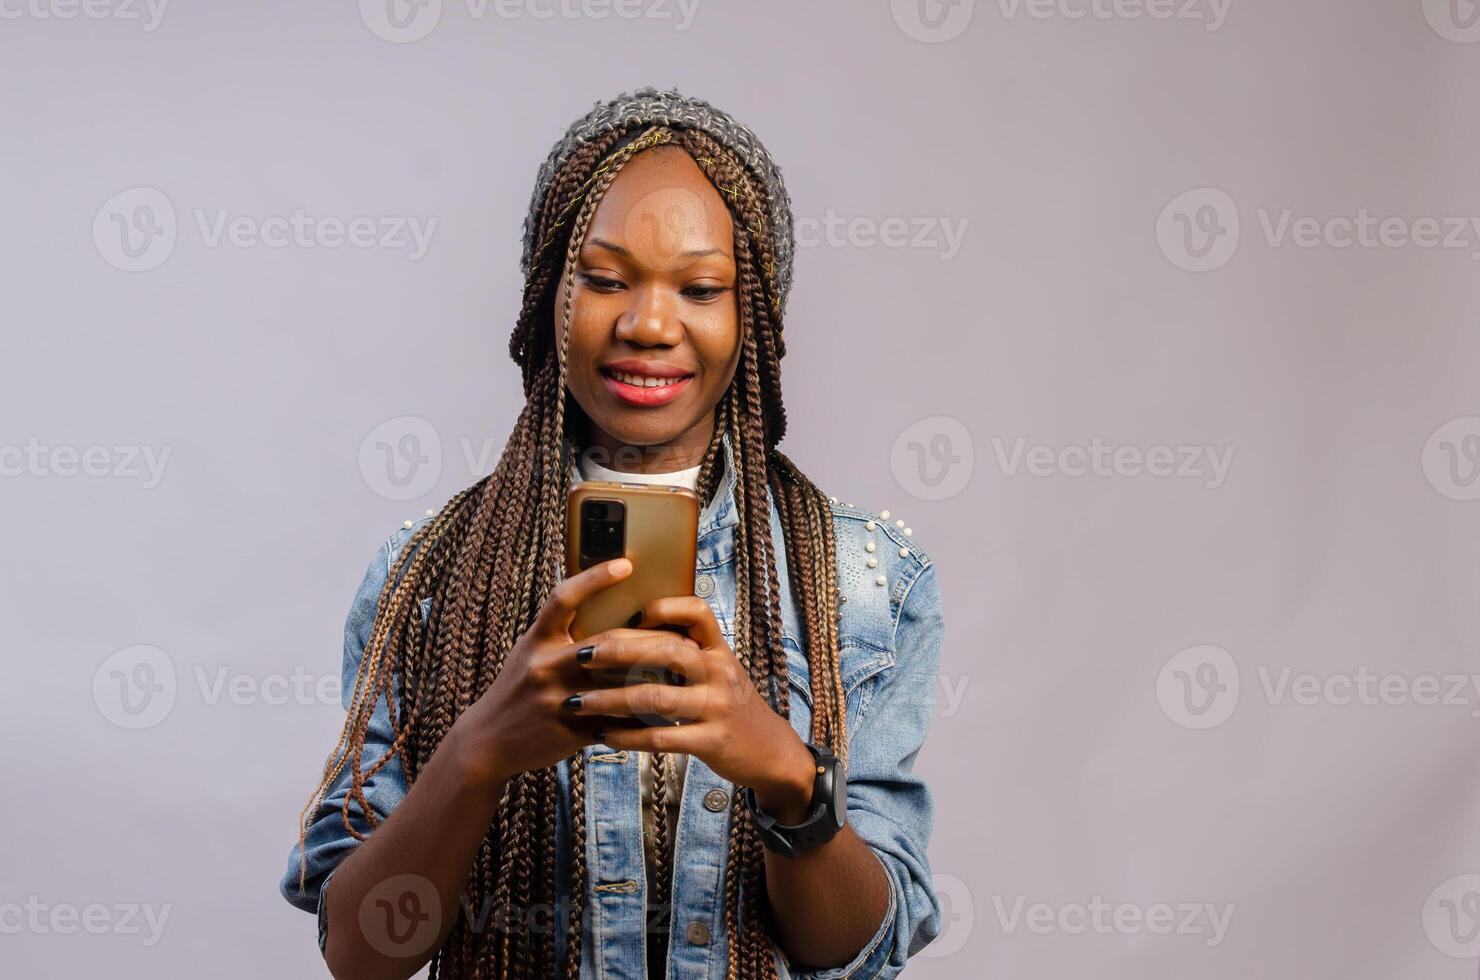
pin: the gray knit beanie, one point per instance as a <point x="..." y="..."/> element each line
<point x="648" y="106"/>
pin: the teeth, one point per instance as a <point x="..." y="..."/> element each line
<point x="644" y="382"/>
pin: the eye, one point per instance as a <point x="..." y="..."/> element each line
<point x="600" y="283"/>
<point x="705" y="294"/>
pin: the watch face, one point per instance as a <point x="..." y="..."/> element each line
<point x="839" y="795"/>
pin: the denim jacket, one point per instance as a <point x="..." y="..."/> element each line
<point x="889" y="639"/>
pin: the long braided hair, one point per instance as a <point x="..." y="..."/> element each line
<point x="490" y="557"/>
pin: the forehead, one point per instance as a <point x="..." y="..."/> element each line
<point x="663" y="190"/>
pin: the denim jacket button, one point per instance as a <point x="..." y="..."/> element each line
<point x="716" y="800"/>
<point x="704" y="586"/>
<point x="698" y="933"/>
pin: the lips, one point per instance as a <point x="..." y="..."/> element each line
<point x="645" y="385"/>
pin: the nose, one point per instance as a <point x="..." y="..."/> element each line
<point x="652" y="318"/>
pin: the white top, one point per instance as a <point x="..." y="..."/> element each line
<point x="592" y="470"/>
<point x="677" y="763"/>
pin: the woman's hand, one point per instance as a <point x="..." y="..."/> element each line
<point x="518" y="724"/>
<point x="712" y="711"/>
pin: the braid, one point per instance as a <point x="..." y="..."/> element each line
<point x="663" y="858"/>
<point x="487" y="561"/>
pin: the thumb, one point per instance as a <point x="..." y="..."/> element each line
<point x="565" y="599"/>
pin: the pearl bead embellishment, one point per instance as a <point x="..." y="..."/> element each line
<point x="870" y="547"/>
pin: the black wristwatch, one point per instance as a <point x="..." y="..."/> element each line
<point x="825" y="815"/>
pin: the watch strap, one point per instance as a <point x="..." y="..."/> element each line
<point x="822" y="822"/>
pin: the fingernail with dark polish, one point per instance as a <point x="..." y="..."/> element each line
<point x="584" y="654"/>
<point x="571" y="703"/>
<point x="636" y="618"/>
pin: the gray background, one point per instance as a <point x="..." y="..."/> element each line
<point x="1112" y="726"/>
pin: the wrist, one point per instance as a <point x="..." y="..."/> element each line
<point x="476" y="765"/>
<point x="787" y="795"/>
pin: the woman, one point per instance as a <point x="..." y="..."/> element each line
<point x="490" y="806"/>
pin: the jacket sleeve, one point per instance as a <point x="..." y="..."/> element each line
<point x="890" y="807"/>
<point x="327" y="841"/>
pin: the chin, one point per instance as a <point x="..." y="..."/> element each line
<point x="641" y="435"/>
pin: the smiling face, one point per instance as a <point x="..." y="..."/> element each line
<point x="654" y="328"/>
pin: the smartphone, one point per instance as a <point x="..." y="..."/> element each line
<point x="656" y="526"/>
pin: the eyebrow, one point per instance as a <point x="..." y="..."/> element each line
<point x="691" y="254"/>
